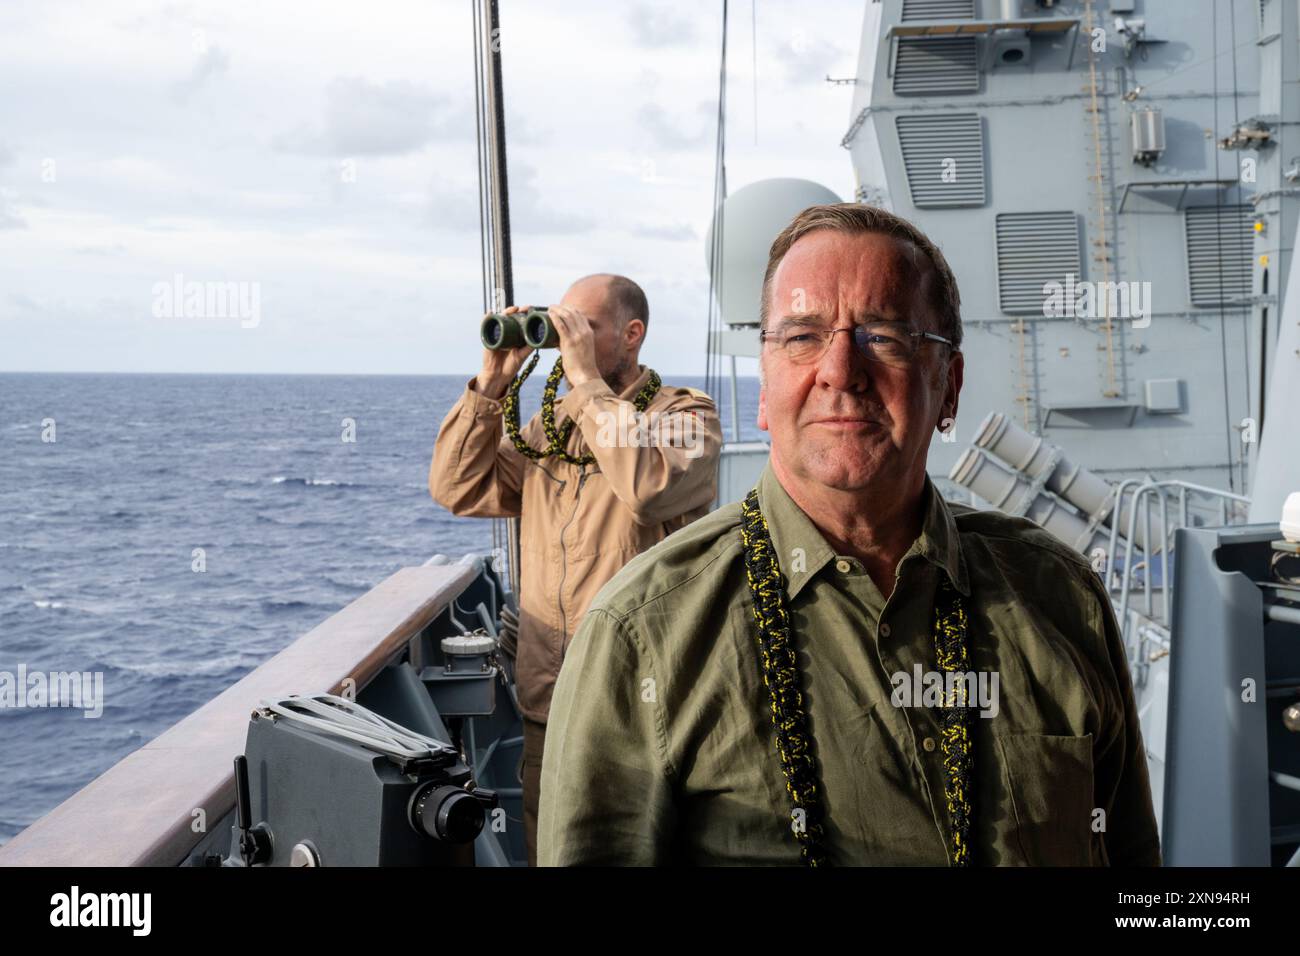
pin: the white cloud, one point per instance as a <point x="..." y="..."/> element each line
<point x="671" y="131"/>
<point x="213" y="61"/>
<point x="657" y="27"/>
<point x="9" y="217"/>
<point x="364" y="118"/>
<point x="676" y="232"/>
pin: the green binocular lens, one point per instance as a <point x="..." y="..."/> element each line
<point x="538" y="330"/>
<point x="502" y="332"/>
<point x="532" y="328"/>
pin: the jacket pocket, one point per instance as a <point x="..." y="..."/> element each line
<point x="1051" y="796"/>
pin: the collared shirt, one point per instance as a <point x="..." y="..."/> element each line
<point x="580" y="523"/>
<point x="660" y="747"/>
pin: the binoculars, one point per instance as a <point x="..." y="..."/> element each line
<point x="532" y="328"/>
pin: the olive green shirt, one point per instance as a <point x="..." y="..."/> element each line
<point x="660" y="748"/>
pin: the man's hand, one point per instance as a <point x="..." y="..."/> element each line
<point x="577" y="344"/>
<point x="500" y="366"/>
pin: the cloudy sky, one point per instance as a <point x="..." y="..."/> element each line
<point x="325" y="153"/>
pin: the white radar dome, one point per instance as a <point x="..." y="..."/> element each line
<point x="751" y="218"/>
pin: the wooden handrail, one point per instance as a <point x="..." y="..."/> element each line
<point x="143" y="811"/>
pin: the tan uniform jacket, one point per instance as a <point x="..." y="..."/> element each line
<point x="579" y="524"/>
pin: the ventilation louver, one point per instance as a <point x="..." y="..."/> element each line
<point x="1034" y="248"/>
<point x="926" y="66"/>
<point x="1219" y="250"/>
<point x="943" y="154"/>
<point x="938" y="10"/>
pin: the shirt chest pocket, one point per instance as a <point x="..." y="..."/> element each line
<point x="1051" y="796"/>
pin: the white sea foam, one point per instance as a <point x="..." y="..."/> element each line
<point x="282" y="479"/>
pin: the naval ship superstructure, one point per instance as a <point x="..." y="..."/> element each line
<point x="1114" y="186"/>
<point x="1139" y="146"/>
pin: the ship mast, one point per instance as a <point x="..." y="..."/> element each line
<point x="494" y="197"/>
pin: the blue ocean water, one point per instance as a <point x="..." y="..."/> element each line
<point x="98" y="530"/>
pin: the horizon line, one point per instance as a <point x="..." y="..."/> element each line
<point x="325" y="374"/>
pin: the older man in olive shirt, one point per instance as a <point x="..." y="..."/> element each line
<point x="661" y="746"/>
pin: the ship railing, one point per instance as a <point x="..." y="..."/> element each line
<point x="1134" y="496"/>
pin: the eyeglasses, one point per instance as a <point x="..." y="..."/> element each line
<point x="890" y="343"/>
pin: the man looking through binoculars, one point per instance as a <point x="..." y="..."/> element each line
<point x="587" y="504"/>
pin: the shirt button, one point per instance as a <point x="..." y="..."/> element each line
<point x="843" y="566"/>
<point x="884" y="629"/>
<point x="928" y="744"/>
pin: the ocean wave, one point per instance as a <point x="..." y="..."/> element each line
<point x="349" y="585"/>
<point x="198" y="667"/>
<point x="278" y="605"/>
<point x="47" y="603"/>
<point x="330" y="482"/>
<point x="286" y="523"/>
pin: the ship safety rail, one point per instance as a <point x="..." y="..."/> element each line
<point x="1139" y="493"/>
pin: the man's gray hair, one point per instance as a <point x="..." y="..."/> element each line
<point x="857" y="219"/>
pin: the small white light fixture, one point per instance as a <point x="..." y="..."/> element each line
<point x="1290" y="523"/>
